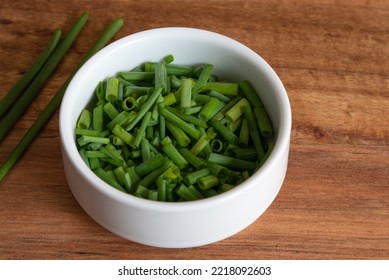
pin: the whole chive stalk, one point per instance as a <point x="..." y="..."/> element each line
<point x="25" y="80"/>
<point x="44" y="73"/>
<point x="56" y="101"/>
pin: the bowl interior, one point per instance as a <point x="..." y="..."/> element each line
<point x="232" y="62"/>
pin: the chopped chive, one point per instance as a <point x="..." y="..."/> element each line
<point x="193" y="177"/>
<point x="98" y="118"/>
<point x="112" y="90"/>
<point x="136" y="76"/>
<point x="145" y="149"/>
<point x="145" y="107"/>
<point x="182" y="139"/>
<point x="217" y="145"/>
<point x="192" y="159"/>
<point x="190" y="130"/>
<point x="168" y="59"/>
<point x="220" y="115"/>
<point x="85" y="119"/>
<point x="149" y="165"/>
<point x="208" y="182"/>
<point x="186" y="93"/>
<point x="237" y="110"/>
<point x="263" y="121"/>
<point x="161" y="78"/>
<point x="221" y="97"/>
<point x="244" y="133"/>
<point x="110" y="110"/>
<point x="120" y="119"/>
<point x="202" y="142"/>
<point x="120" y="132"/>
<point x="250" y="93"/>
<point x="210" y="108"/>
<point x="169" y="99"/>
<point x="142" y="129"/>
<point x="188" y="118"/>
<point x="254" y="134"/>
<point x="226" y="133"/>
<point x="203" y="79"/>
<point x="231" y="162"/>
<point x="110" y="178"/>
<point x="173" y="153"/>
<point x="89" y="132"/>
<point x="229" y="89"/>
<point x="128" y="103"/>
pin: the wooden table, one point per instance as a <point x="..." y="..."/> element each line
<point x="333" y="58"/>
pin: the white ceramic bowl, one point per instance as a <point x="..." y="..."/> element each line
<point x="179" y="224"/>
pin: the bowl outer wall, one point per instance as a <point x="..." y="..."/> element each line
<point x="188" y="224"/>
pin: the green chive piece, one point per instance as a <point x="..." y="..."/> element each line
<point x="229" y="89"/>
<point x="190" y="130"/>
<point x="254" y="134"/>
<point x="173" y="153"/>
<point x="231" y="162"/>
<point x="203" y="79"/>
<point x="186" y="93"/>
<point x="145" y="107"/>
<point x="142" y="129"/>
<point x="263" y="121"/>
<point x="250" y="93"/>
<point x="112" y="91"/>
<point x="208" y="182"/>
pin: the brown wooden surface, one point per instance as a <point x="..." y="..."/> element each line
<point x="333" y="57"/>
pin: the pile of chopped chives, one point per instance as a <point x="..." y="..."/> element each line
<point x="170" y="132"/>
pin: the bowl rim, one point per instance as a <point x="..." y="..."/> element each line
<point x="282" y="141"/>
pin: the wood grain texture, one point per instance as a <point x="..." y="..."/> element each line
<point x="332" y="57"/>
